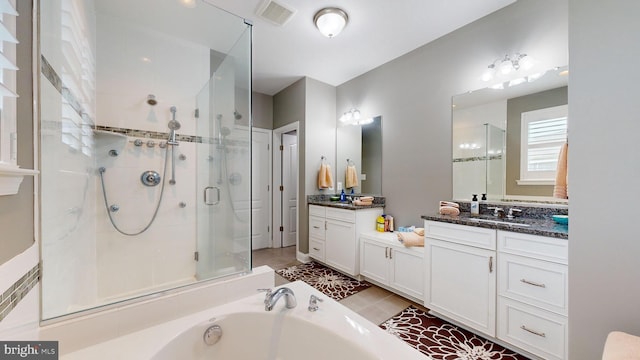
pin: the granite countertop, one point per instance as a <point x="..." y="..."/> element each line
<point x="344" y="205"/>
<point x="537" y="226"/>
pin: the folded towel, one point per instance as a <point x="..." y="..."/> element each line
<point x="449" y="210"/>
<point x="351" y="177"/>
<point x="419" y="231"/>
<point x="449" y="203"/>
<point x="561" y="190"/>
<point x="363" y="202"/>
<point x="410" y="239"/>
<point x="366" y="198"/>
<point x="325" y="179"/>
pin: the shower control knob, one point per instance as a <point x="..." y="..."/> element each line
<point x="151" y="143"/>
<point x="114" y="208"/>
<point x="137" y="142"/>
<point x="182" y="157"/>
<point x="182" y="204"/>
<point x="113" y="153"/>
<point x="150" y="178"/>
<point x="163" y="145"/>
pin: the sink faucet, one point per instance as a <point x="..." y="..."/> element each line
<point x="514" y="213"/>
<point x="272" y="297"/>
<point x="497" y="211"/>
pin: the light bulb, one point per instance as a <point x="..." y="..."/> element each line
<point x="525" y="61"/>
<point x="506" y="66"/>
<point x="488" y="73"/>
<point x="356" y="114"/>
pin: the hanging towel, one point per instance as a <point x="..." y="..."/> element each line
<point x="561" y="188"/>
<point x="351" y="177"/>
<point x="325" y="179"/>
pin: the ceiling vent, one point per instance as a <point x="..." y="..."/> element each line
<point x="275" y="12"/>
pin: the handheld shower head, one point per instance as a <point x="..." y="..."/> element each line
<point x="173" y="126"/>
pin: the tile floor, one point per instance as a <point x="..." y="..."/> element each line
<point x="374" y="304"/>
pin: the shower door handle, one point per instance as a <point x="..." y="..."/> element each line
<point x="207" y="195"/>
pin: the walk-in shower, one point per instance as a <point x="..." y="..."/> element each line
<point x="144" y="187"/>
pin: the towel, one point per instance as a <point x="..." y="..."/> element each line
<point x="410" y="239"/>
<point x="449" y="210"/>
<point x="363" y="202"/>
<point x="325" y="180"/>
<point x="561" y="189"/>
<point x="351" y="177"/>
<point x="449" y="203"/>
<point x="419" y="231"/>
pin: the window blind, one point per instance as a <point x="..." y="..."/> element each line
<point x="7" y="49"/>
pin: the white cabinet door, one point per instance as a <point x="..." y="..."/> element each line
<point x="374" y="261"/>
<point x="461" y="284"/>
<point x="406" y="273"/>
<point x="340" y="246"/>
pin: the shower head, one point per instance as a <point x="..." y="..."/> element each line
<point x="173" y="126"/>
<point x="237" y="115"/>
<point x="151" y="99"/>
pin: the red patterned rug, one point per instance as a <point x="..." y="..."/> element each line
<point x="443" y="341"/>
<point x="326" y="280"/>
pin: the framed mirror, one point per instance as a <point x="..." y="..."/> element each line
<point x="359" y="147"/>
<point x="494" y="154"/>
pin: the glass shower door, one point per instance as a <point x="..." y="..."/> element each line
<point x="224" y="166"/>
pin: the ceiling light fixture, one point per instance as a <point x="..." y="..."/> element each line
<point x="507" y="64"/>
<point x="330" y="21"/>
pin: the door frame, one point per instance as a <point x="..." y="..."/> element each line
<point x="276" y="181"/>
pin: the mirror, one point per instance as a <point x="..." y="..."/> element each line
<point x="360" y="146"/>
<point x="487" y="132"/>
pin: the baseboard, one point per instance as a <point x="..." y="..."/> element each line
<point x="304" y="258"/>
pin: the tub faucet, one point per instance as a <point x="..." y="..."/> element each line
<point x="272" y="297"/>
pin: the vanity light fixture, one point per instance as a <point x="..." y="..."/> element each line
<point x="507" y="64"/>
<point x="350" y="116"/>
<point x="330" y="21"/>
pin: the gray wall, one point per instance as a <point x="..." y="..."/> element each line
<point x="262" y="110"/>
<point x="515" y="108"/>
<point x="604" y="250"/>
<point x="16" y="211"/>
<point x="413" y="95"/>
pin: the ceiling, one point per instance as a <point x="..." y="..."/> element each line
<point x="378" y="32"/>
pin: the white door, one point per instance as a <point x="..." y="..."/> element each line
<point x="260" y="189"/>
<point x="290" y="192"/>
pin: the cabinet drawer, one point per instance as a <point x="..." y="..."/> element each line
<point x="316" y="249"/>
<point x="315" y="210"/>
<point x="539" y="247"/>
<point x="341" y="214"/>
<point x="536" y="282"/>
<point x="461" y="234"/>
<point x="316" y="227"/>
<point x="540" y="332"/>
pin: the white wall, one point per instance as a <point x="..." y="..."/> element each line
<point x="413" y="95"/>
<point x="604" y="271"/>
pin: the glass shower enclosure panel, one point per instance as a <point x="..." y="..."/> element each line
<point x="223" y="123"/>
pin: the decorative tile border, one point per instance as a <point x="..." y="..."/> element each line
<point x="164" y="135"/>
<point x="478" y="158"/>
<point x="16" y="292"/>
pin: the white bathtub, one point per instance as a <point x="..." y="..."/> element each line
<point x="251" y="333"/>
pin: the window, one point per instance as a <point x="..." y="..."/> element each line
<point x="10" y="174"/>
<point x="543" y="133"/>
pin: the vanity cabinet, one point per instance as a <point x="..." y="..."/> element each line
<point x="334" y="233"/>
<point x="533" y="293"/>
<point x="385" y="261"/>
<point x="460" y="276"/>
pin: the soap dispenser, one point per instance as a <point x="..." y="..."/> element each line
<point x="475" y="207"/>
<point x="343" y="196"/>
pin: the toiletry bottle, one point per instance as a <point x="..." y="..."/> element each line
<point x="475" y="207"/>
<point x="343" y="196"/>
<point x="380" y="223"/>
<point x="484" y="197"/>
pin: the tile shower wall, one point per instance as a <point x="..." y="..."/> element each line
<point x="135" y="62"/>
<point x="67" y="164"/>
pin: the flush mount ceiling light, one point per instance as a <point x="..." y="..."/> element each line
<point x="506" y="65"/>
<point x="330" y="21"/>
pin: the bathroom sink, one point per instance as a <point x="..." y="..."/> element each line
<point x="503" y="222"/>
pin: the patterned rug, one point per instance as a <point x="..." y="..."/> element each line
<point x="326" y="280"/>
<point x="443" y="341"/>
